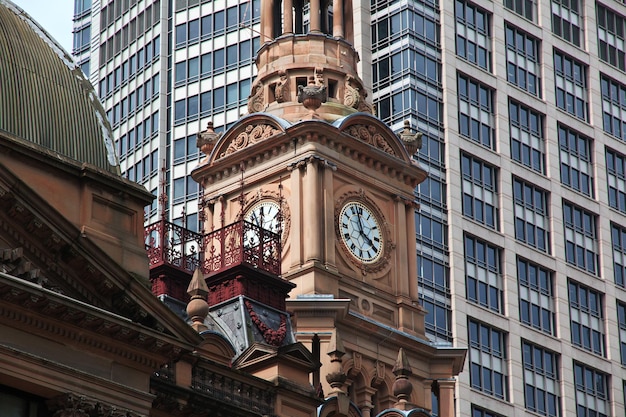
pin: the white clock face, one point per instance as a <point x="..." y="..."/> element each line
<point x="265" y="215"/>
<point x="360" y="232"/>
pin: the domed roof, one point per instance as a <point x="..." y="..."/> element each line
<point x="45" y="98"/>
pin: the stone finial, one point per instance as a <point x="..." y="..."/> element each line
<point x="197" y="308"/>
<point x="402" y="387"/>
<point x="412" y="141"/>
<point x="206" y="140"/>
<point x="336" y="377"/>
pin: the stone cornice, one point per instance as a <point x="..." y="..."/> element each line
<point x="76" y="266"/>
<point x="32" y="308"/>
<point x="369" y="149"/>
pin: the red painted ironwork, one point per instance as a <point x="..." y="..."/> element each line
<point x="236" y="244"/>
<point x="173" y="245"/>
<point x="241" y="243"/>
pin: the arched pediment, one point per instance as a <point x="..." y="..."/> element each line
<point x="217" y="346"/>
<point x="338" y="406"/>
<point x="371" y="130"/>
<point x="249" y="130"/>
<point x="393" y="412"/>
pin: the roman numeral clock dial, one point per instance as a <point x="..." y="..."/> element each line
<point x="360" y="232"/>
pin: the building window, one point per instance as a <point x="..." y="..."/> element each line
<point x="567" y="20"/>
<point x="527" y="138"/>
<point x="576" y="163"/>
<point x="592" y="392"/>
<point x="586" y="318"/>
<point x="473" y="34"/>
<point x="541" y="380"/>
<point x="480" y="191"/>
<point x="523" y="60"/>
<point x="621" y="320"/>
<point x="487" y="360"/>
<point x="531" y="215"/>
<point x="483" y="274"/>
<point x="481" y="412"/>
<point x="526" y="8"/>
<point x="613" y="107"/>
<point x="571" y="86"/>
<point x="476" y="111"/>
<point x="434" y="284"/>
<point x="618" y="240"/>
<point x="536" y="296"/>
<point x="611" y="37"/>
<point x="616" y="177"/>
<point x="82" y="39"/>
<point x="581" y="245"/>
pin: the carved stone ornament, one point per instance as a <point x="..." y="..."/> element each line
<point x="72" y="405"/>
<point x="255" y="99"/>
<point x="313" y="95"/>
<point x="371" y="136"/>
<point x="252" y="134"/>
<point x="207" y="139"/>
<point x="412" y="141"/>
<point x="352" y="94"/>
<point x="383" y="261"/>
<point x="281" y="91"/>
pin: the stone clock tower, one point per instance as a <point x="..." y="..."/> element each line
<point x="311" y="163"/>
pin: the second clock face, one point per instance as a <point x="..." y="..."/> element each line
<point x="360" y="232"/>
<point x="265" y="215"/>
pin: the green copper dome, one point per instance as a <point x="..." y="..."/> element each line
<point x="45" y="98"/>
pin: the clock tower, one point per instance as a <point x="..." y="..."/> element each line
<point x="311" y="163"/>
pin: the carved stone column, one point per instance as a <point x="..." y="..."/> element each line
<point x="338" y="19"/>
<point x="311" y="211"/>
<point x="315" y="16"/>
<point x="446" y="397"/>
<point x="288" y="16"/>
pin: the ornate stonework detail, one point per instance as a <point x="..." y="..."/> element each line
<point x="255" y="99"/>
<point x="271" y="336"/>
<point x="388" y="246"/>
<point x="352" y="94"/>
<point x="207" y="139"/>
<point x="412" y="141"/>
<point x="313" y="95"/>
<point x="319" y="76"/>
<point x="72" y="405"/>
<point x="371" y="135"/>
<point x="281" y="91"/>
<point x="252" y="134"/>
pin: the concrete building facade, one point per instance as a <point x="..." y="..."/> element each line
<point x="520" y="234"/>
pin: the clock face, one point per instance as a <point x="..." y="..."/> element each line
<point x="360" y="232"/>
<point x="265" y="215"/>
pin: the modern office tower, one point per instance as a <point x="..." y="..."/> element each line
<point x="163" y="69"/>
<point x="522" y="227"/>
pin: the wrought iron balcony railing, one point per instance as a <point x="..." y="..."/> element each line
<point x="238" y="243"/>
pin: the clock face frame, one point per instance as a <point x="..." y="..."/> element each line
<point x="360" y="232"/>
<point x="265" y="214"/>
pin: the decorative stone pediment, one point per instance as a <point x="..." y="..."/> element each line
<point x="259" y="128"/>
<point x="369" y="129"/>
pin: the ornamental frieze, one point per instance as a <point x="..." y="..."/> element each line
<point x="371" y="136"/>
<point x="251" y="135"/>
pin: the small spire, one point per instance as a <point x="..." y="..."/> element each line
<point x="197" y="308"/>
<point x="412" y="141"/>
<point x="402" y="387"/>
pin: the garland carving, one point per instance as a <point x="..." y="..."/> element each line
<point x="271" y="336"/>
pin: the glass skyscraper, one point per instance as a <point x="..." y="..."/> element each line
<point x="522" y="222"/>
